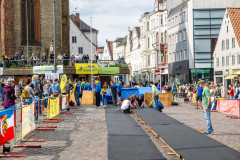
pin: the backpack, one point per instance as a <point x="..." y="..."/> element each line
<point x="25" y="94"/>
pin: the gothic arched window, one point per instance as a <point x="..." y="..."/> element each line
<point x="30" y="16"/>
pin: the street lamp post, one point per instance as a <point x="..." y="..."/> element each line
<point x="27" y="29"/>
<point x="54" y="37"/>
<point x="91" y="52"/>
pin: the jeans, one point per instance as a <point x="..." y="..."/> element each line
<point x="230" y="97"/>
<point x="214" y="105"/>
<point x="174" y="96"/>
<point x="36" y="110"/>
<point x="0" y="96"/>
<point x="28" y="101"/>
<point x="114" y="98"/>
<point x="156" y="103"/>
<point x="45" y="100"/>
<point x="97" y="98"/>
<point x="77" y="99"/>
<point x="208" y="119"/>
<point x="104" y="100"/>
<point x="40" y="96"/>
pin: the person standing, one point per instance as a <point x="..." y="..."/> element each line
<point x="217" y="94"/>
<point x="223" y="91"/>
<point x="97" y="86"/>
<point x="199" y="96"/>
<point x="39" y="89"/>
<point x="113" y="92"/>
<point x="174" y="92"/>
<point x="55" y="89"/>
<point x="8" y="94"/>
<point x="28" y="93"/>
<point x="206" y="101"/>
<point x="155" y="96"/>
<point x="231" y="92"/>
<point x="76" y="90"/>
<point x="82" y="89"/>
<point x="236" y="93"/>
<point x="46" y="93"/>
<point x="87" y="86"/>
<point x="119" y="87"/>
<point x="104" y="96"/>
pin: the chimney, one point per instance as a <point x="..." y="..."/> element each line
<point x="78" y="20"/>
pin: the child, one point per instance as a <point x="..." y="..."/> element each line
<point x="104" y="96"/>
<point x="35" y="100"/>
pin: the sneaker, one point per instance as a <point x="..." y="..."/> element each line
<point x="206" y="133"/>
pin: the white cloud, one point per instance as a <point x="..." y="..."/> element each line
<point x="111" y="17"/>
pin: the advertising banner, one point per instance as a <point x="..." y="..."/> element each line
<point x="47" y="69"/>
<point x="108" y="70"/>
<point x="53" y="108"/>
<point x="28" y="124"/>
<point x="229" y="107"/>
<point x="86" y="68"/>
<point x="63" y="82"/>
<point x="6" y="125"/>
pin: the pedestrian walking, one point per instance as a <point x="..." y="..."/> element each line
<point x="76" y="90"/>
<point x="97" y="86"/>
<point x="174" y="92"/>
<point x="39" y="89"/>
<point x="206" y="100"/>
<point x="28" y="93"/>
<point x="231" y="92"/>
<point x="55" y="89"/>
<point x="104" y="96"/>
<point x="113" y="93"/>
<point x="199" y="96"/>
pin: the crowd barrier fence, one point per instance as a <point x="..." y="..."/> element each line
<point x="18" y="121"/>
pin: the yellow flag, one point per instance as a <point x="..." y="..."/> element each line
<point x="63" y="82"/>
<point x="35" y="75"/>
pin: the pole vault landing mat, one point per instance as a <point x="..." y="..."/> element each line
<point x="187" y="142"/>
<point x="127" y="140"/>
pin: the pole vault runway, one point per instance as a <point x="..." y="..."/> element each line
<point x="127" y="140"/>
<point x="187" y="142"/>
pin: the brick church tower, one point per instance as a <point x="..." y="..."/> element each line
<point x="31" y="21"/>
<point x="7" y="27"/>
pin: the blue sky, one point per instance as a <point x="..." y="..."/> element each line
<point x="111" y="17"/>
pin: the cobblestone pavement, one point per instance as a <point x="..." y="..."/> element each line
<point x="81" y="136"/>
<point x="226" y="130"/>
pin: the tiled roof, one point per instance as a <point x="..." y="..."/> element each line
<point x="123" y="42"/>
<point x="110" y="45"/>
<point x="234" y="15"/>
<point x="138" y="31"/>
<point x="100" y="50"/>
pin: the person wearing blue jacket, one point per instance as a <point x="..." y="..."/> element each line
<point x="97" y="86"/>
<point x="82" y="88"/>
<point x="55" y="89"/>
<point x="119" y="87"/>
<point x="88" y="86"/>
<point x="77" y="90"/>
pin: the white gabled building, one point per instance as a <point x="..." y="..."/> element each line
<point x="108" y="51"/>
<point x="119" y="48"/>
<point x="80" y="41"/>
<point x="227" y="51"/>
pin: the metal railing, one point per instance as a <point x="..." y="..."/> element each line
<point x="64" y="62"/>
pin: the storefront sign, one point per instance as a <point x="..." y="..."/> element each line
<point x="86" y="68"/>
<point x="201" y="71"/>
<point x="235" y="71"/>
<point x="218" y="72"/>
<point x="1" y="70"/>
<point x="108" y="70"/>
<point x="47" y="69"/>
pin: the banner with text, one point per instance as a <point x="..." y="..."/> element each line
<point x="47" y="69"/>
<point x="28" y="124"/>
<point x="86" y="68"/>
<point x="63" y="82"/>
<point x="53" y="108"/>
<point x="108" y="70"/>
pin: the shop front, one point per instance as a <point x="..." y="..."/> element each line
<point x="201" y="74"/>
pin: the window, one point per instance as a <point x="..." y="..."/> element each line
<point x="182" y="55"/>
<point x="147" y="25"/>
<point x="33" y="19"/>
<point x="183" y="16"/>
<point x="217" y="63"/>
<point x="161" y="37"/>
<point x="149" y="60"/>
<point x="169" y="60"/>
<point x="227" y="15"/>
<point x="169" y="40"/>
<point x="80" y="50"/>
<point x="177" y="57"/>
<point x="238" y="59"/>
<point x="227" y="60"/>
<point x="161" y="19"/>
<point x="173" y="39"/>
<point x="184" y="35"/>
<point x="227" y="44"/>
<point x="74" y="39"/>
<point x="176" y="20"/>
<point x="180" y="36"/>
<point x="223" y="45"/>
<point x="233" y="59"/>
<point x="162" y="58"/>
<point x="180" y="18"/>
<point x="233" y="42"/>
<point x="173" y="57"/>
<point x="148" y="42"/>
<point x="185" y="54"/>
<point x="223" y="61"/>
<point x="176" y="38"/>
<point x="227" y="29"/>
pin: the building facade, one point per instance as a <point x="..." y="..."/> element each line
<point x="227" y="51"/>
<point x="79" y="41"/>
<point x="14" y="32"/>
<point x="202" y="22"/>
